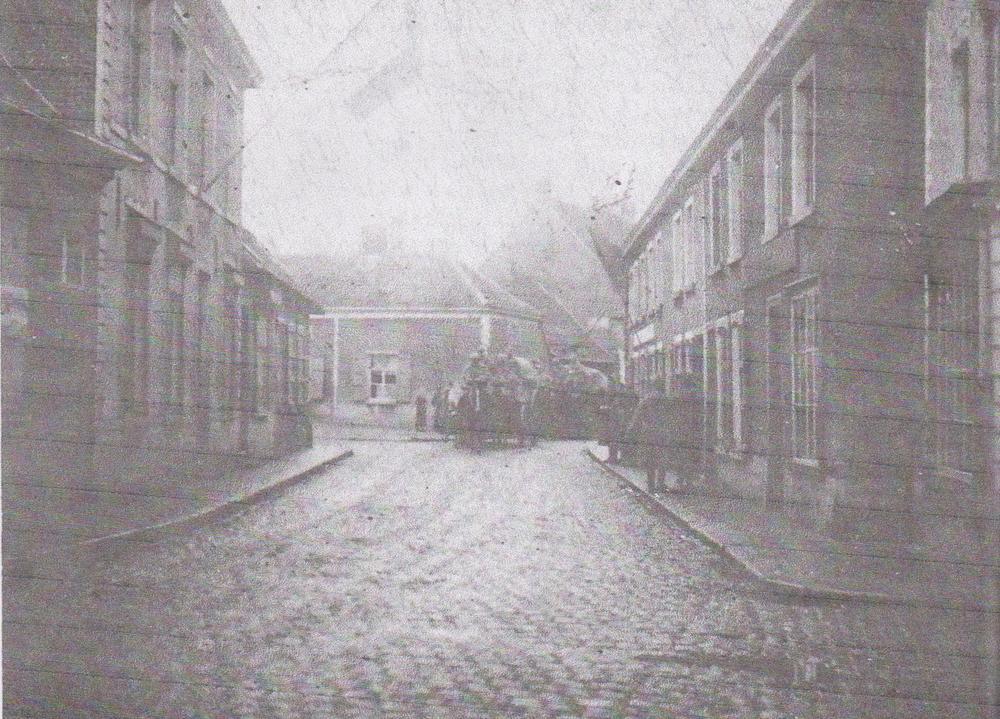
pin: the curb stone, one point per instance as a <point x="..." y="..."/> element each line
<point x="203" y="516"/>
<point x="777" y="586"/>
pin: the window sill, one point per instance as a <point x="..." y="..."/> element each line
<point x="381" y="402"/>
<point x="808" y="463"/>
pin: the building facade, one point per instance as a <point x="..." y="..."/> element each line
<point x="962" y="241"/>
<point x="795" y="265"/>
<point x="156" y="323"/>
<point x="398" y="326"/>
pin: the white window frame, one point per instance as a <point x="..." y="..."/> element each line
<point x="377" y="392"/>
<point x="773" y="165"/>
<point x="735" y="170"/>
<point x="805" y="438"/>
<point x="678" y="260"/>
<point x="718" y="247"/>
<point x="736" y="349"/>
<point x="690" y="250"/>
<point x="657" y="270"/>
<point x="803" y="177"/>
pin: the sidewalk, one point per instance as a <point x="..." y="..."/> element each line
<point x="789" y="557"/>
<point x="40" y="521"/>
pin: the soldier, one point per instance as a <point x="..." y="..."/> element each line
<point x="616" y="411"/>
<point x="421" y="413"/>
<point x="686" y="430"/>
<point x="649" y="429"/>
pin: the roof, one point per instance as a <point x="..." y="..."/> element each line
<point x="401" y="280"/>
<point x="772" y="45"/>
<point x="276" y="268"/>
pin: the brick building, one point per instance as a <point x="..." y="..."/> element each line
<point x="795" y="263"/>
<point x="149" y="331"/>
<point x="399" y="325"/>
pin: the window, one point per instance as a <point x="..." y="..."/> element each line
<point x="206" y="131"/>
<point x="690" y="249"/>
<point x="962" y="109"/>
<point x="73" y="261"/>
<point x="262" y="364"/>
<point x="175" y="335"/>
<point x="723" y="405"/>
<point x="134" y="367"/>
<point x="655" y="266"/>
<point x="728" y="381"/>
<point x="805" y="352"/>
<point x="736" y="385"/>
<point x="202" y="354"/>
<point x="804" y="141"/>
<point x="231" y="322"/>
<point x="677" y="259"/>
<point x="175" y="99"/>
<point x="734" y="167"/>
<point x="773" y="171"/>
<point x="951" y="363"/>
<point x="249" y="361"/>
<point x="140" y="40"/>
<point x="719" y="208"/>
<point x="303" y="363"/>
<point x="383" y="378"/>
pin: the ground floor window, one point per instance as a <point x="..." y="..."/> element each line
<point x="383" y="377"/>
<point x="723" y="380"/>
<point x="805" y="354"/>
<point x="950" y="375"/>
<point x="175" y="331"/>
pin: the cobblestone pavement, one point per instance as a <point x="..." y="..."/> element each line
<point x="419" y="581"/>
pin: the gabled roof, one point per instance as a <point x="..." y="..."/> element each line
<point x="400" y="280"/>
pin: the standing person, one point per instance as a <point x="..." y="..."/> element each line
<point x="421" y="418"/>
<point x="686" y="423"/>
<point x="438" y="403"/>
<point x="617" y="411"/>
<point x="649" y="428"/>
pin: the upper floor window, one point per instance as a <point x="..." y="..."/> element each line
<point x="205" y="129"/>
<point x="718" y="235"/>
<point x="773" y="170"/>
<point x="677" y="261"/>
<point x="734" y="167"/>
<point x="690" y="246"/>
<point x="656" y="270"/>
<point x="140" y="41"/>
<point x="961" y="103"/>
<point x="804" y="140"/>
<point x="175" y="98"/>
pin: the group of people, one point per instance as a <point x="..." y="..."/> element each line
<point x="661" y="432"/>
<point x="495" y="404"/>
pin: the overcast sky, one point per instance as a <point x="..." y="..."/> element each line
<point x="445" y="121"/>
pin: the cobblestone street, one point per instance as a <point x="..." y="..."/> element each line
<point x="416" y="580"/>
